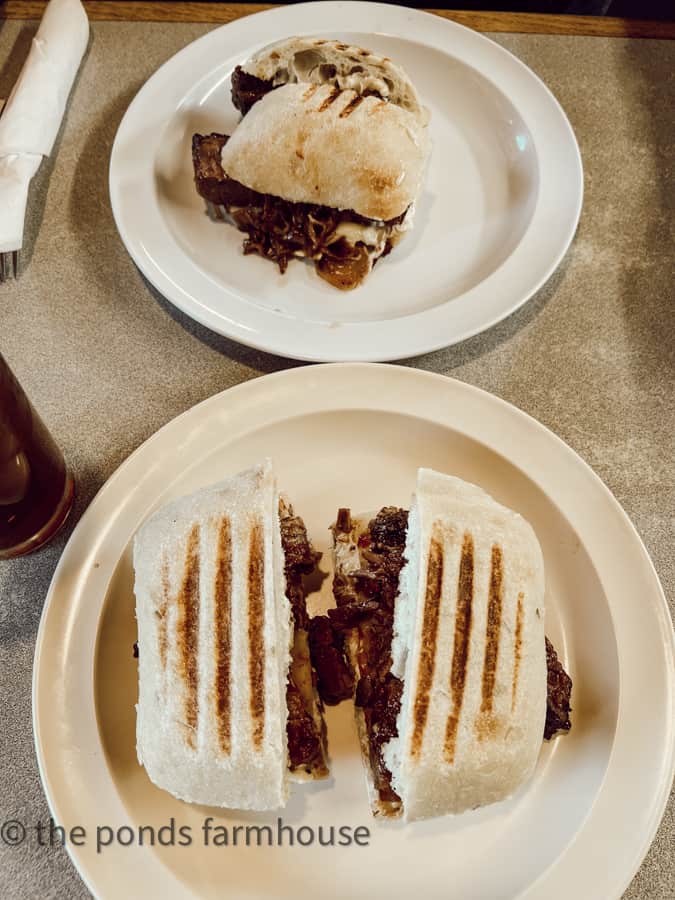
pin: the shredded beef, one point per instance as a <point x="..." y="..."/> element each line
<point x="559" y="690"/>
<point x="389" y="528"/>
<point x="299" y="559"/>
<point x="306" y="743"/>
<point x="247" y="89"/>
<point x="381" y="715"/>
<point x="280" y="230"/>
<point x="365" y="600"/>
<point x="335" y="679"/>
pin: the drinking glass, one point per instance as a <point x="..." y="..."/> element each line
<point x="36" y="489"/>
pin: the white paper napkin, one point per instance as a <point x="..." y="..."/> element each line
<point x="33" y="113"/>
<point x="16" y="172"/>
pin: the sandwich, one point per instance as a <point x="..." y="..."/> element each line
<point x="438" y="632"/>
<point x="327" y="162"/>
<point x="228" y="710"/>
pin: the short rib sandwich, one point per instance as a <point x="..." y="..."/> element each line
<point x="327" y="162"/>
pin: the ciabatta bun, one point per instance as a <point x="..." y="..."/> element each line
<point x="317" y="144"/>
<point x="309" y="60"/>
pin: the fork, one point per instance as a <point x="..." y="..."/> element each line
<point x="9" y="264"/>
<point x="9" y="261"/>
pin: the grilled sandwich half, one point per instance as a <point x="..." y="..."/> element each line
<point x="228" y="710"/>
<point x="439" y="620"/>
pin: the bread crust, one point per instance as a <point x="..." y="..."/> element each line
<point x="308" y="60"/>
<point x="334" y="148"/>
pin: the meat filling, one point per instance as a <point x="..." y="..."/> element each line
<point x="306" y="731"/>
<point x="365" y="607"/>
<point x="335" y="679"/>
<point x="247" y="89"/>
<point x="280" y="230"/>
<point x="559" y="691"/>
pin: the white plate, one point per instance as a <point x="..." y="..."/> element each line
<point x="355" y="434"/>
<point x="499" y="209"/>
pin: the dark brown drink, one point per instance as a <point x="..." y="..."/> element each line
<point x="36" y="490"/>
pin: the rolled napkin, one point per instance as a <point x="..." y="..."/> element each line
<point x="15" y="175"/>
<point x="34" y="111"/>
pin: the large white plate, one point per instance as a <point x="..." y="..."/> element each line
<point x="499" y="209"/>
<point x="355" y="434"/>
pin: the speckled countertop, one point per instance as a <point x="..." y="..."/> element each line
<point x="107" y="362"/>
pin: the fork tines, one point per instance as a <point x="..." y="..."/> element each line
<point x="9" y="264"/>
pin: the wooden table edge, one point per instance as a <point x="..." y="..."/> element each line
<point x="220" y="13"/>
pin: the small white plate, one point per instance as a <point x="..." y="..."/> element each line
<point x="500" y="206"/>
<point x="355" y="435"/>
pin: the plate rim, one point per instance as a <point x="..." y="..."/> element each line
<point x="335" y="344"/>
<point x="658" y="604"/>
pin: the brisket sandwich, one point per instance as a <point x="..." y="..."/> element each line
<point x="439" y="632"/>
<point x="324" y="167"/>
<point x="228" y="710"/>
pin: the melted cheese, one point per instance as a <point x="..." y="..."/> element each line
<point x="370" y="235"/>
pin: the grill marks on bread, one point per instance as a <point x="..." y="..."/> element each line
<point x="187" y="634"/>
<point x="432" y="601"/>
<point x="223" y="633"/>
<point x="460" y="653"/>
<point x="161" y="613"/>
<point x="517" y="649"/>
<point x="187" y="605"/>
<point x="494" y="621"/>
<point x="487" y="725"/>
<point x="351" y="106"/>
<point x="256" y="641"/>
<point x="329" y="95"/>
<point x="331" y="98"/>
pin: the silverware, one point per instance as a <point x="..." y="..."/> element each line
<point x="9" y="261"/>
<point x="9" y="265"/>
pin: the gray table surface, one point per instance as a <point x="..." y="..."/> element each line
<point x="107" y="361"/>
